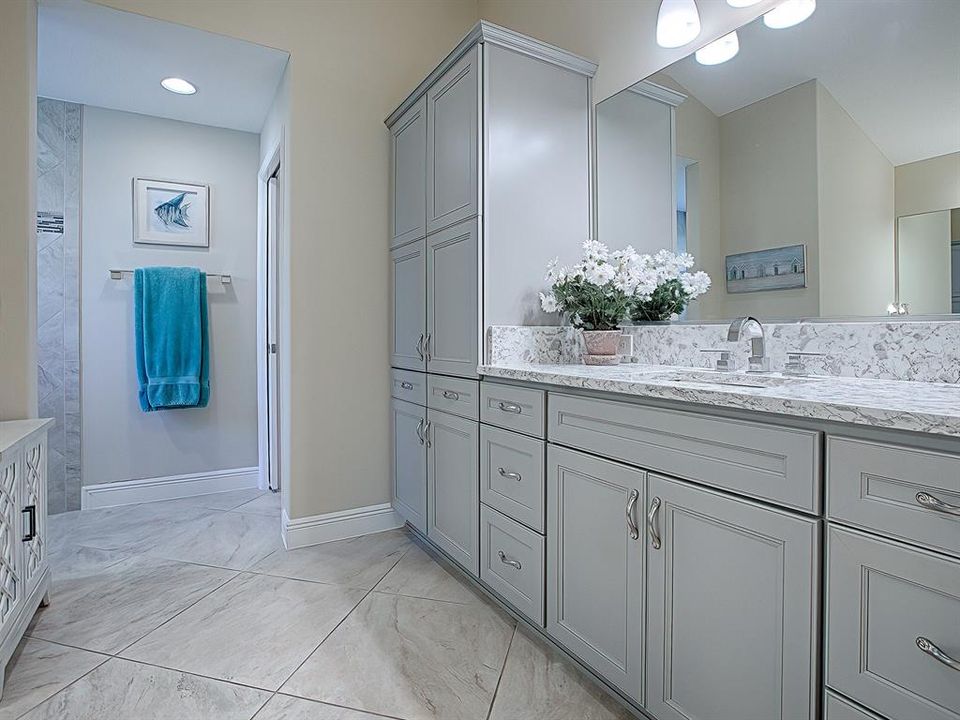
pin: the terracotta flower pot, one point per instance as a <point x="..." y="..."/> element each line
<point x="602" y="347"/>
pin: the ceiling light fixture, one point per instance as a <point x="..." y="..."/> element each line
<point x="678" y="23"/>
<point x="178" y="86"/>
<point x="741" y="3"/>
<point x="789" y="13"/>
<point x="719" y="51"/>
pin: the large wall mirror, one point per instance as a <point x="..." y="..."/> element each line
<point x="814" y="174"/>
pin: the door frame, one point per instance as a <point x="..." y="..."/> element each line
<point x="273" y="164"/>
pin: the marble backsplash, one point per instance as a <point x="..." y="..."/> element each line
<point x="894" y="350"/>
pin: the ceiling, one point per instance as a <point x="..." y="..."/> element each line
<point x="98" y="56"/>
<point x="894" y="65"/>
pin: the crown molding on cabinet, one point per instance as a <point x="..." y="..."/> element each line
<point x="487" y="32"/>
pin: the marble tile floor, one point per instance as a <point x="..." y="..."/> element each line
<point x="192" y="609"/>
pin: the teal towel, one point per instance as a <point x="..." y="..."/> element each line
<point x="170" y="334"/>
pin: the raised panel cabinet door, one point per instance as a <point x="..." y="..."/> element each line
<point x="595" y="564"/>
<point x="407" y="318"/>
<point x="453" y="317"/>
<point x="33" y="512"/>
<point x="453" y="144"/>
<point x="409" y="462"/>
<point x="408" y="176"/>
<point x="732" y="607"/>
<point x="453" y="503"/>
<point x="893" y="627"/>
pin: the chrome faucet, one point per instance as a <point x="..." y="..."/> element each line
<point x="751" y="329"/>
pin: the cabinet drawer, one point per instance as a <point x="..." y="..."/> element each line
<point x="454" y="395"/>
<point x="511" y="475"/>
<point x="776" y="464"/>
<point x="884" y="599"/>
<point x="513" y="408"/>
<point x="409" y="385"/>
<point x="511" y="562"/>
<point x="908" y="493"/>
<point x="838" y="708"/>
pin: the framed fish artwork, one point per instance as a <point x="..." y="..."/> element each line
<point x="171" y="213"/>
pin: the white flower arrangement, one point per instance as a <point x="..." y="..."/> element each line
<point x="604" y="286"/>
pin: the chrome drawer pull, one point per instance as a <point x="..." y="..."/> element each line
<point x="933" y="503"/>
<point x="631" y="523"/>
<point x="507" y="561"/>
<point x="652" y="524"/>
<point x="420" y="431"/>
<point x="510" y="407"/>
<point x="451" y="395"/>
<point x="426" y="347"/>
<point x="420" y="347"/>
<point x="406" y="385"/>
<point x="937" y="654"/>
<point x="509" y="475"/>
<point x="426" y="432"/>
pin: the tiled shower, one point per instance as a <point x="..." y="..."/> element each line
<point x="58" y="294"/>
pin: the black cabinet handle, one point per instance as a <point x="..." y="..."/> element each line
<point x="31" y="512"/>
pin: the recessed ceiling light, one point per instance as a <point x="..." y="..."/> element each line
<point x="678" y="23"/>
<point x="741" y="3"/>
<point x="789" y="13"/>
<point x="178" y="86"/>
<point x="719" y="51"/>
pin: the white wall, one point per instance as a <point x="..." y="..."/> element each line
<point x="855" y="215"/>
<point x="120" y="441"/>
<point x="924" y="262"/>
<point x="928" y="185"/>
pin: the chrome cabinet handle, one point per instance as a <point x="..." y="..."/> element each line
<point x="451" y="395"/>
<point x="652" y="524"/>
<point x="507" y="561"/>
<point x="509" y="475"/>
<point x="510" y="407"/>
<point x="937" y="654"/>
<point x="406" y="385"/>
<point x="631" y="523"/>
<point x="420" y="347"/>
<point x="426" y="347"/>
<point x="426" y="432"/>
<point x="934" y="503"/>
<point x="420" y="431"/>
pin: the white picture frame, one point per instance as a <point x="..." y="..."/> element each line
<point x="171" y="213"/>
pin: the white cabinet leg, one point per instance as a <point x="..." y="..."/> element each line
<point x="45" y="600"/>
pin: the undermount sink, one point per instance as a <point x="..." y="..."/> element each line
<point x="707" y="377"/>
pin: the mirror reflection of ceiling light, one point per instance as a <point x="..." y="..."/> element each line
<point x="741" y="3"/>
<point x="789" y="13"/>
<point x="178" y="86"/>
<point x="678" y="23"/>
<point x="719" y="51"/>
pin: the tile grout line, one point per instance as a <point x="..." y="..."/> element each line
<point x="53" y="695"/>
<point x="503" y="668"/>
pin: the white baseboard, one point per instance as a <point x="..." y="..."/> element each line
<point x="340" y="525"/>
<point x="129" y="492"/>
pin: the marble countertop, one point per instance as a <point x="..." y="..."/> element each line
<point x="13" y="431"/>
<point x="892" y="404"/>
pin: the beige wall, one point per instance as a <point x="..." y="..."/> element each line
<point x="928" y="185"/>
<point x="18" y="259"/>
<point x="351" y="63"/>
<point x="924" y="262"/>
<point x="618" y="34"/>
<point x="855" y="216"/>
<point x="768" y="193"/>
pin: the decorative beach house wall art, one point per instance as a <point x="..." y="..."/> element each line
<point x="170" y="213"/>
<point x="774" y="269"/>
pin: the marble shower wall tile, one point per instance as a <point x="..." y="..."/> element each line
<point x="893" y="350"/>
<point x="58" y="293"/>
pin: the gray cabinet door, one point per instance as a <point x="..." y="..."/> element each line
<point x="453" y="322"/>
<point x="453" y="145"/>
<point x="408" y="478"/>
<point x="893" y="625"/>
<point x="595" y="566"/>
<point x="408" y="176"/>
<point x="453" y="503"/>
<point x="407" y="319"/>
<point x="732" y="605"/>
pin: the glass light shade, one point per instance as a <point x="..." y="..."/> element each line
<point x="178" y="86"/>
<point x="719" y="51"/>
<point x="789" y="13"/>
<point x="678" y="23"/>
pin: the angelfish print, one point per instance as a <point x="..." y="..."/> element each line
<point x="174" y="211"/>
